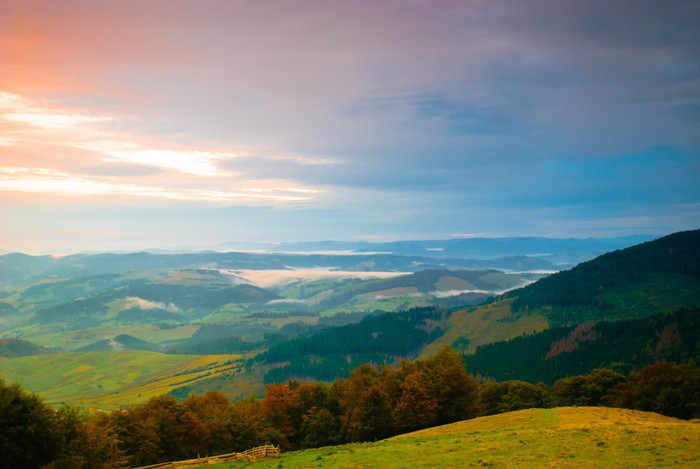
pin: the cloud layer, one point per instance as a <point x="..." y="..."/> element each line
<point x="196" y="122"/>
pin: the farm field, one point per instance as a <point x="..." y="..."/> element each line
<point x="109" y="380"/>
<point x="568" y="437"/>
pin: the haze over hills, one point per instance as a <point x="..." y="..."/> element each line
<point x="556" y="250"/>
<point x="214" y="303"/>
<point x="650" y="280"/>
<point x="84" y="301"/>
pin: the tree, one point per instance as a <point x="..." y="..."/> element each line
<point x="670" y="390"/>
<point x="277" y="405"/>
<point x="320" y="428"/>
<point x="495" y="398"/>
<point x="205" y="418"/>
<point x="416" y="408"/>
<point x="29" y="434"/>
<point x="246" y="424"/>
<point x="373" y="418"/>
<point x="454" y="390"/>
<point x="86" y="443"/>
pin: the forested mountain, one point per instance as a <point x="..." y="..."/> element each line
<point x="622" y="310"/>
<point x="622" y="346"/>
<point x="650" y="278"/>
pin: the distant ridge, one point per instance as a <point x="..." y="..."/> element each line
<point x="14" y="348"/>
<point x="557" y="250"/>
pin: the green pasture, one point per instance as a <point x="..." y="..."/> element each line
<point x="108" y="380"/>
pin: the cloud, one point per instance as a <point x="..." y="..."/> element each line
<point x="33" y="124"/>
<point x="47" y="181"/>
<point x="287" y="301"/>
<point x="270" y="278"/>
<point x="397" y="118"/>
<point x="147" y="304"/>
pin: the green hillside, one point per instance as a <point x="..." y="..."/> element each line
<point x="108" y="380"/>
<point x="650" y="278"/>
<point x="576" y="437"/>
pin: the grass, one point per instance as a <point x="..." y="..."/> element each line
<point x="567" y="437"/>
<point x="108" y="380"/>
<point x="485" y="324"/>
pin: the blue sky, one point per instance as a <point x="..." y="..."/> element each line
<point x="132" y="124"/>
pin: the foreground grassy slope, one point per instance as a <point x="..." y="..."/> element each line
<point x="576" y="437"/>
<point x="108" y="380"/>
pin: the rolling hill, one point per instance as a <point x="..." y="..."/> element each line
<point x="108" y="380"/>
<point x="90" y="311"/>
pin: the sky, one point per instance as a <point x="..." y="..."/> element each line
<point x="132" y="124"/>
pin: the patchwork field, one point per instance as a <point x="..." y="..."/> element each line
<point x="566" y="437"/>
<point x="108" y="380"/>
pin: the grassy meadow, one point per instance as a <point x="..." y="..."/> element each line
<point x="108" y="380"/>
<point x="565" y="437"/>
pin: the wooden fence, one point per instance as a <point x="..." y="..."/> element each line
<point x="253" y="454"/>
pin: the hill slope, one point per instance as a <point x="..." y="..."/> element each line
<point x="649" y="278"/>
<point x="622" y="346"/>
<point x="13" y="348"/>
<point x="656" y="277"/>
<point x="108" y="380"/>
<point x="581" y="437"/>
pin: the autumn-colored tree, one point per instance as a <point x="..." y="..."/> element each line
<point x="136" y="434"/>
<point x="670" y="390"/>
<point x="416" y="407"/>
<point x="453" y="389"/>
<point x="86" y="443"/>
<point x="246" y="424"/>
<point x="278" y="405"/>
<point x="372" y="419"/>
<point x="206" y="423"/>
<point x="349" y="392"/>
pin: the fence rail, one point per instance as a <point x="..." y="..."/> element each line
<point x="252" y="455"/>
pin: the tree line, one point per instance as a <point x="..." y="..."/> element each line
<point x="371" y="404"/>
